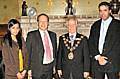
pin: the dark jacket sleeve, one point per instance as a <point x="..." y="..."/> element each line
<point x="59" y="54"/>
<point x="55" y="49"/>
<point x="86" y="55"/>
<point x="91" y="42"/>
<point x="29" y="49"/>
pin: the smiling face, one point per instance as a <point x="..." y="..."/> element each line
<point x="14" y="29"/>
<point x="43" y="22"/>
<point x="104" y="12"/>
<point x="72" y="26"/>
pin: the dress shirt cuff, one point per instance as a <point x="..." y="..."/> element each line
<point x="97" y="56"/>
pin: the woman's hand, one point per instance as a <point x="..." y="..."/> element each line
<point x="19" y="75"/>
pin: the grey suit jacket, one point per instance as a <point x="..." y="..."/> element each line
<point x="36" y="52"/>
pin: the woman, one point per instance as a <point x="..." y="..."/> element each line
<point x="14" y="52"/>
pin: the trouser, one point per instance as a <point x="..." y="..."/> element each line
<point x="101" y="75"/>
<point x="44" y="75"/>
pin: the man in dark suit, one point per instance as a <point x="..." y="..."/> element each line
<point x="104" y="44"/>
<point x="42" y="45"/>
<point x="73" y="54"/>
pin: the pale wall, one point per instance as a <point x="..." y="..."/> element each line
<point x="12" y="8"/>
<point x="8" y="9"/>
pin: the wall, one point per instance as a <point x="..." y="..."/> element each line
<point x="12" y="8"/>
<point x="57" y="7"/>
<point x="8" y="9"/>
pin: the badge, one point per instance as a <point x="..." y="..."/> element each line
<point x="71" y="48"/>
<point x="70" y="55"/>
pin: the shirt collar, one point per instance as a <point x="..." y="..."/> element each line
<point x="42" y="31"/>
<point x="108" y="20"/>
<point x="74" y="34"/>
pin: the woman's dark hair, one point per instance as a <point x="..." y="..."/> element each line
<point x="18" y="36"/>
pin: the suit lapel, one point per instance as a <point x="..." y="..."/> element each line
<point x="52" y="40"/>
<point x="109" y="39"/>
<point x="75" y="41"/>
<point x="39" y="43"/>
<point x="98" y="25"/>
<point x="67" y="37"/>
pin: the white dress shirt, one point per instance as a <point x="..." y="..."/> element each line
<point x="74" y="37"/>
<point x="45" y="61"/>
<point x="103" y="30"/>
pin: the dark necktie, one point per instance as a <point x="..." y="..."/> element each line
<point x="71" y="38"/>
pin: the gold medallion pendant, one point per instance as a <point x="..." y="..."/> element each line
<point x="70" y="55"/>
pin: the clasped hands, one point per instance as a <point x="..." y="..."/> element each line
<point x="102" y="60"/>
<point x="21" y="75"/>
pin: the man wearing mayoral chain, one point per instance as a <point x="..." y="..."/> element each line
<point x="73" y="54"/>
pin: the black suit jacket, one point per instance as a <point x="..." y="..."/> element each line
<point x="111" y="47"/>
<point x="36" y="52"/>
<point x="80" y="63"/>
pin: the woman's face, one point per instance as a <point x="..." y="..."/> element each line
<point x="14" y="29"/>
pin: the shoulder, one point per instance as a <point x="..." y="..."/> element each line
<point x="64" y="35"/>
<point x="96" y="23"/>
<point x="51" y="32"/>
<point x="116" y="20"/>
<point x="33" y="32"/>
<point x="81" y="36"/>
<point x="5" y="42"/>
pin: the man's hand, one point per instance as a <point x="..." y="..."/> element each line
<point x="29" y="74"/>
<point x="86" y="74"/>
<point x="23" y="73"/>
<point x="59" y="73"/>
<point x="102" y="60"/>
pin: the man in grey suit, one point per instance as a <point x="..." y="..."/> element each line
<point x="42" y="45"/>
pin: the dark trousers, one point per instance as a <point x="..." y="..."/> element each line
<point x="101" y="75"/>
<point x="44" y="75"/>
